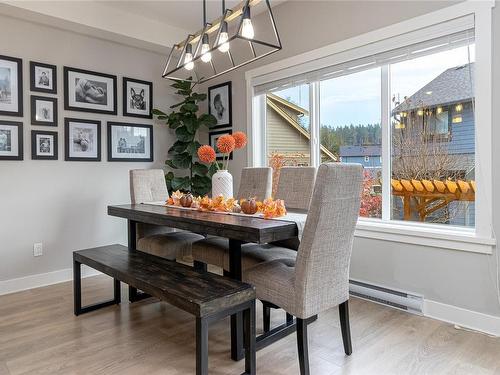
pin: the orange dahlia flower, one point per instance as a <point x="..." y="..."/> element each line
<point x="206" y="154"/>
<point x="240" y="139"/>
<point x="226" y="143"/>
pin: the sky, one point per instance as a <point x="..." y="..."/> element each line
<point x="355" y="98"/>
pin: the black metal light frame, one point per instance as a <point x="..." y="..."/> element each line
<point x="171" y="68"/>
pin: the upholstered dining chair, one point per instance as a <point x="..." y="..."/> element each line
<point x="148" y="185"/>
<point x="318" y="279"/>
<point x="254" y="182"/>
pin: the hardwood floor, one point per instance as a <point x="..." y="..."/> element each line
<point x="40" y="335"/>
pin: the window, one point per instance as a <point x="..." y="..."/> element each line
<point x="421" y="89"/>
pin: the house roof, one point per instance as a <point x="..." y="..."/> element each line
<point x="452" y="86"/>
<point x="277" y="103"/>
<point x="375" y="150"/>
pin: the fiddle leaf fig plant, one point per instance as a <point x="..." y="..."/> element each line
<point x="186" y="122"/>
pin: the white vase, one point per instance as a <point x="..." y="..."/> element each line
<point x="222" y="183"/>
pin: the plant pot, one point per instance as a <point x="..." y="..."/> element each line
<point x="222" y="183"/>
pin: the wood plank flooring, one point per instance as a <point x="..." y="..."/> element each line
<point x="40" y="335"/>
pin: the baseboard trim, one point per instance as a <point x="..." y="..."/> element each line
<point x="477" y="321"/>
<point x="42" y="279"/>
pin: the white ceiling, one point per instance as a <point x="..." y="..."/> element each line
<point x="185" y="14"/>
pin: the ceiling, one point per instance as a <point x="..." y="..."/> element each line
<point x="186" y="14"/>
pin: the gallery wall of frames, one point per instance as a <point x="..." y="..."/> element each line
<point x="84" y="91"/>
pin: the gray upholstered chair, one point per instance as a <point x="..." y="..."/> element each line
<point x="148" y="185"/>
<point x="319" y="277"/>
<point x="254" y="182"/>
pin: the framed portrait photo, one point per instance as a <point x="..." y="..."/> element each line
<point x="130" y="142"/>
<point x="44" y="145"/>
<point x="43" y="77"/>
<point x="11" y="140"/>
<point x="43" y="111"/>
<point x="11" y="86"/>
<point x="220" y="103"/>
<point x="212" y="141"/>
<point x="89" y="91"/>
<point x="82" y="140"/>
<point x="137" y="98"/>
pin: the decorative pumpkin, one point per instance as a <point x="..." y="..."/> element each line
<point x="236" y="208"/>
<point x="186" y="200"/>
<point x="249" y="206"/>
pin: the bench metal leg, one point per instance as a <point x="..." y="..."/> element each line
<point x="77" y="293"/>
<point x="250" y="347"/>
<point x="134" y="295"/>
<point x="201" y="346"/>
<point x="200" y="266"/>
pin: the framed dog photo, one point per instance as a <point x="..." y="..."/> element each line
<point x="43" y="111"/>
<point x="212" y="141"/>
<point x="44" y="145"/>
<point x="89" y="91"/>
<point x="220" y="102"/>
<point x="137" y="98"/>
<point x="11" y="86"/>
<point x="130" y="142"/>
<point x="11" y="140"/>
<point x="82" y="140"/>
<point x="43" y="77"/>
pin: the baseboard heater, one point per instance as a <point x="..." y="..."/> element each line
<point x="394" y="298"/>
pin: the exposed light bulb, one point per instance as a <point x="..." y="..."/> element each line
<point x="223" y="43"/>
<point x="188" y="58"/>
<point x="247" y="29"/>
<point x="206" y="56"/>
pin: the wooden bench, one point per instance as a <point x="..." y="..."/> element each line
<point x="207" y="296"/>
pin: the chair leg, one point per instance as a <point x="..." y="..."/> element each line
<point x="302" y="346"/>
<point x="200" y="266"/>
<point x="266" y="317"/>
<point x="345" y="327"/>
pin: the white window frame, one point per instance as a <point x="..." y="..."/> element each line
<point x="479" y="239"/>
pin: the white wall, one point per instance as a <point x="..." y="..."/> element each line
<point x="63" y="204"/>
<point x="451" y="277"/>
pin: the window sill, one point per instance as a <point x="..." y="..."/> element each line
<point x="462" y="239"/>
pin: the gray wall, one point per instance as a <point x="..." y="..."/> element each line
<point x="457" y="278"/>
<point x="63" y="204"/>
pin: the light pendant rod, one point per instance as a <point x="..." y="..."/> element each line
<point x="236" y="12"/>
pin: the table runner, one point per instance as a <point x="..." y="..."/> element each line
<point x="297" y="216"/>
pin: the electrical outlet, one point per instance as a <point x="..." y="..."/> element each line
<point x="38" y="249"/>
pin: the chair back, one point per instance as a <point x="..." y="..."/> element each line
<point x="147" y="185"/>
<point x="295" y="186"/>
<point x="255" y="182"/>
<point x="322" y="266"/>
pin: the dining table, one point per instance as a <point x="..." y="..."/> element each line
<point x="238" y="229"/>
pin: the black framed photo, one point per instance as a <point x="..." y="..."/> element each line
<point x="44" y="145"/>
<point x="43" y="77"/>
<point x="212" y="141"/>
<point x="11" y="140"/>
<point x="137" y="98"/>
<point x="220" y="103"/>
<point x="82" y="140"/>
<point x="43" y="111"/>
<point x="130" y="142"/>
<point x="89" y="91"/>
<point x="11" y="86"/>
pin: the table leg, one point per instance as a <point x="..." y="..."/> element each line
<point x="132" y="243"/>
<point x="237" y="351"/>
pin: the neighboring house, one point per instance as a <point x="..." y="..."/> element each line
<point x="285" y="134"/>
<point x="368" y="156"/>
<point x="444" y="109"/>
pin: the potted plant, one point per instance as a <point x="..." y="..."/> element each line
<point x="222" y="180"/>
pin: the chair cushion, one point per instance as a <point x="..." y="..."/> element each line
<point x="168" y="245"/>
<point x="215" y="251"/>
<point x="274" y="282"/>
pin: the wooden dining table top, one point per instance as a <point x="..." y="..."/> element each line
<point x="236" y="227"/>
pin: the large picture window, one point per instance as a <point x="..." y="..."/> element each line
<point x="415" y="105"/>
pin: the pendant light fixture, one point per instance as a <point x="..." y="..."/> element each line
<point x="235" y="42"/>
